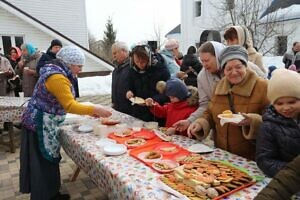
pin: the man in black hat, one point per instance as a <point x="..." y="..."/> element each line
<point x="55" y="46"/>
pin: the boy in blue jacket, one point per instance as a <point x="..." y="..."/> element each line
<point x="279" y="140"/>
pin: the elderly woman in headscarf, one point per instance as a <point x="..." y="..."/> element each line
<point x="240" y="91"/>
<point x="27" y="68"/>
<point x="52" y="98"/>
<point x="207" y="79"/>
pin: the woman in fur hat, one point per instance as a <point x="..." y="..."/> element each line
<point x="183" y="102"/>
<point x="279" y="140"/>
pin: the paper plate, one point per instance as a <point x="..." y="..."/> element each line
<point x="110" y="121"/>
<point x="84" y="128"/>
<point x="200" y="148"/>
<point x="137" y="100"/>
<point x="143" y="155"/>
<point x="162" y="135"/>
<point x="167" y="148"/>
<point x="114" y="149"/>
<point x="168" y="163"/>
<point x="104" y="142"/>
<point x="235" y="119"/>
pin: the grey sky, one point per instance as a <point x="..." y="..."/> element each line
<point x="134" y="20"/>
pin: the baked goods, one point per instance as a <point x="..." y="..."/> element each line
<point x="135" y="142"/>
<point x="152" y="155"/>
<point x="203" y="179"/>
<point x="227" y="114"/>
<point x="123" y="132"/>
<point x="162" y="166"/>
<point x="168" y="149"/>
<point x="137" y="100"/>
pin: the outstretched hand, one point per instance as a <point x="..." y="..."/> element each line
<point x="101" y="112"/>
<point x="193" y="129"/>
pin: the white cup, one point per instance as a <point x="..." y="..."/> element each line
<point x="21" y="95"/>
<point x="101" y="130"/>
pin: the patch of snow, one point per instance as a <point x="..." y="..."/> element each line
<point x="273" y="60"/>
<point x="96" y="85"/>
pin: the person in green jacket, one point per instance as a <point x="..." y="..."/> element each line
<point x="285" y="184"/>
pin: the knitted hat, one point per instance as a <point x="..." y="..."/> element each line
<point x="283" y="83"/>
<point x="176" y="88"/>
<point x="55" y="42"/>
<point x="171" y="44"/>
<point x="233" y="52"/>
<point x="71" y="55"/>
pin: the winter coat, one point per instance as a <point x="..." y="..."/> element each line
<point x="143" y="84"/>
<point x="29" y="80"/>
<point x="170" y="62"/>
<point x="173" y="112"/>
<point x="120" y="85"/>
<point x="14" y="61"/>
<point x="290" y="58"/>
<point x="284" y="184"/>
<point x="6" y="72"/>
<point x="192" y="66"/>
<point x="249" y="97"/>
<point x="45" y="58"/>
<point x="278" y="142"/>
<point x="246" y="41"/>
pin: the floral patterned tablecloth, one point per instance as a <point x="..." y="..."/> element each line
<point x="11" y="108"/>
<point x="123" y="177"/>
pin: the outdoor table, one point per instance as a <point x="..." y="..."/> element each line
<point x="11" y="109"/>
<point x="124" y="177"/>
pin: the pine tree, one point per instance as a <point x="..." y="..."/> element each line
<point x="109" y="38"/>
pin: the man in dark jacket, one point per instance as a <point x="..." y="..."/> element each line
<point x="147" y="68"/>
<point x="293" y="57"/>
<point x="55" y="46"/>
<point x="119" y="87"/>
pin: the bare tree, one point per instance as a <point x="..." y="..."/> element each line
<point x="247" y="13"/>
<point x="158" y="34"/>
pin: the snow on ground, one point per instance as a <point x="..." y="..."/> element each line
<point x="275" y="60"/>
<point x="101" y="85"/>
<point x="96" y="85"/>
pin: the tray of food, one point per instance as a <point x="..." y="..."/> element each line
<point x="133" y="139"/>
<point x="197" y="178"/>
<point x="160" y="156"/>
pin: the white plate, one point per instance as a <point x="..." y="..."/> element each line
<point x="143" y="155"/>
<point x="114" y="149"/>
<point x="104" y="142"/>
<point x="170" y="163"/>
<point x="200" y="148"/>
<point x="162" y="136"/>
<point x="235" y="119"/>
<point x="85" y="128"/>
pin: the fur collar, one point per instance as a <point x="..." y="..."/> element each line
<point x="243" y="89"/>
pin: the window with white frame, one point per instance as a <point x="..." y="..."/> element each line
<point x="8" y="41"/>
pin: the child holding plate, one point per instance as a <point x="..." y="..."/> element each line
<point x="183" y="102"/>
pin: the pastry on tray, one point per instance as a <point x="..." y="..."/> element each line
<point x="152" y="155"/>
<point x="135" y="142"/>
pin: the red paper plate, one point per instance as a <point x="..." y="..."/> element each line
<point x="167" y="148"/>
